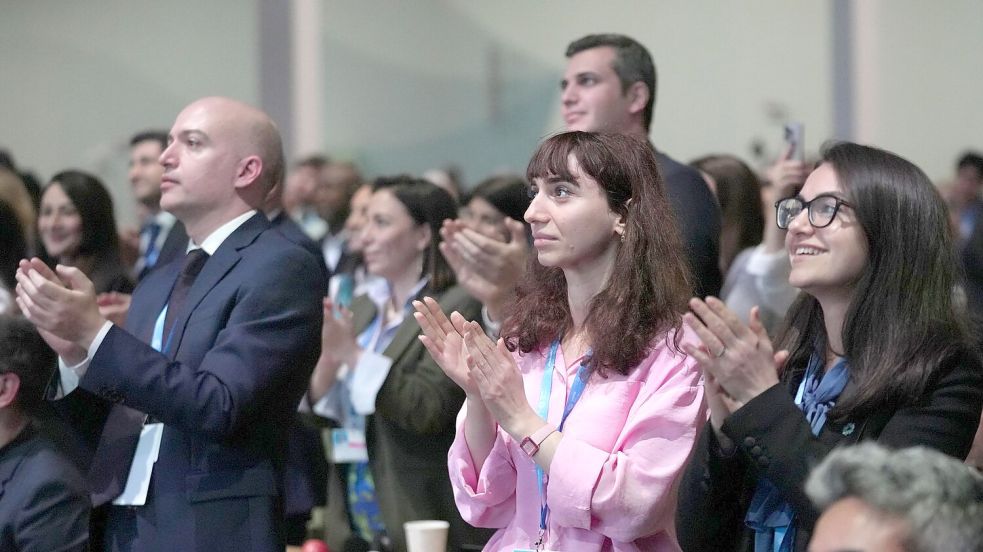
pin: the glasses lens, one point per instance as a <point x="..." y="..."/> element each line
<point x="786" y="211"/>
<point x="822" y="210"/>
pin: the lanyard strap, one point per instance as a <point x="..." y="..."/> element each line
<point x="576" y="390"/>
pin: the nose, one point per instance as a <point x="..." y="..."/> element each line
<point x="569" y="95"/>
<point x="800" y="223"/>
<point x="535" y="213"/>
<point x="167" y="156"/>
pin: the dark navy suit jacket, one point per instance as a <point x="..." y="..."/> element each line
<point x="228" y="382"/>
<point x="43" y="501"/>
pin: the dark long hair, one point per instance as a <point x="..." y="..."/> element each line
<point x="902" y="322"/>
<point x="507" y="193"/>
<point x="739" y="195"/>
<point x="100" y="242"/>
<point x="427" y="204"/>
<point x="650" y="284"/>
<point x="13" y="245"/>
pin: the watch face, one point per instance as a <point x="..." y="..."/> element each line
<point x="528" y="446"/>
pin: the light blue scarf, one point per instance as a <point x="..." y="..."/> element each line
<point x="769" y="514"/>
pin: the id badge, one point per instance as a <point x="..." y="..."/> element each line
<point x="348" y="445"/>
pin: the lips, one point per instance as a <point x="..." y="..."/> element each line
<point x="572" y="116"/>
<point x="802" y="251"/>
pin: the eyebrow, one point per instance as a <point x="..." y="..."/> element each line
<point x="187" y="133"/>
<point x="557" y="179"/>
<point x="824" y="194"/>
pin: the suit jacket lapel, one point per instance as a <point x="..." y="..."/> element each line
<point x="405" y="336"/>
<point x="217" y="266"/>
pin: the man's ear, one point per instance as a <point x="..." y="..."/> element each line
<point x="9" y="386"/>
<point x="248" y="171"/>
<point x="638" y="96"/>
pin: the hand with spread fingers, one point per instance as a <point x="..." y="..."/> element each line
<point x="62" y="305"/>
<point x="497" y="377"/>
<point x="338" y="347"/>
<point x="738" y="361"/>
<point x="444" y="340"/>
<point x="488" y="268"/>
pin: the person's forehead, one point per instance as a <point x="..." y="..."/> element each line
<point x="146" y="147"/>
<point x="598" y="60"/>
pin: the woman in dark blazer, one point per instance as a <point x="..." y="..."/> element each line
<point x="875" y="348"/>
<point x="377" y="381"/>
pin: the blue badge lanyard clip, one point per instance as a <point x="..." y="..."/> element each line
<point x="543" y="407"/>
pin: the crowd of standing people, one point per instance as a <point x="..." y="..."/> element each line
<point x="612" y="351"/>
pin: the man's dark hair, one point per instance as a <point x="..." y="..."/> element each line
<point x="632" y="63"/>
<point x="23" y="352"/>
<point x="971" y="159"/>
<point x="316" y="161"/>
<point x="158" y="136"/>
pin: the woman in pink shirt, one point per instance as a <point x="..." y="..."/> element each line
<point x="580" y="419"/>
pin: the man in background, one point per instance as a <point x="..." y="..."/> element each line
<point x="162" y="236"/>
<point x="44" y="504"/>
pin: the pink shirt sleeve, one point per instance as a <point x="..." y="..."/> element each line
<point x="485" y="499"/>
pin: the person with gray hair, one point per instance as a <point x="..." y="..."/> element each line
<point x="908" y="500"/>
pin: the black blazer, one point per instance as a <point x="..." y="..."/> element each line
<point x="774" y="439"/>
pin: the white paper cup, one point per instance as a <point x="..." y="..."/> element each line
<point x="428" y="535"/>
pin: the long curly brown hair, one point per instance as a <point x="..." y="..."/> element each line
<point x="650" y="283"/>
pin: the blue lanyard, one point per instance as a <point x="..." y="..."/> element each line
<point x="576" y="390"/>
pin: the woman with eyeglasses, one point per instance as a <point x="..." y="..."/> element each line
<point x="874" y="349"/>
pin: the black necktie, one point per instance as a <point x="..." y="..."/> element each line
<point x="193" y="263"/>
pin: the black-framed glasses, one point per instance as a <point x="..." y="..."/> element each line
<point x="822" y="210"/>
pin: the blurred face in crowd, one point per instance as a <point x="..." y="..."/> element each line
<point x="145" y="172"/>
<point x="331" y="195"/>
<point x="572" y="224"/>
<point x="300" y="187"/>
<point x="59" y="224"/>
<point x="829" y="259"/>
<point x="482" y="217"/>
<point x="592" y="98"/>
<point x="393" y="243"/>
<point x="968" y="183"/>
<point x="358" y="217"/>
<point x="849" y="525"/>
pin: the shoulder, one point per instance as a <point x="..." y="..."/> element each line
<point x="42" y="470"/>
<point x="676" y="173"/>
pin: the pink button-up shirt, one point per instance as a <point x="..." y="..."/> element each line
<point x="612" y="482"/>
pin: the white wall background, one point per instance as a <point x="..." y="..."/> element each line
<point x="413" y="85"/>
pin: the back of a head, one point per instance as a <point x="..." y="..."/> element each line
<point x="24" y="353"/>
<point x="632" y="63"/>
<point x="939" y="499"/>
<point x="507" y="193"/>
<point x="739" y="195"/>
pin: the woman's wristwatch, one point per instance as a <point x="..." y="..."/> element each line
<point x="530" y="444"/>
